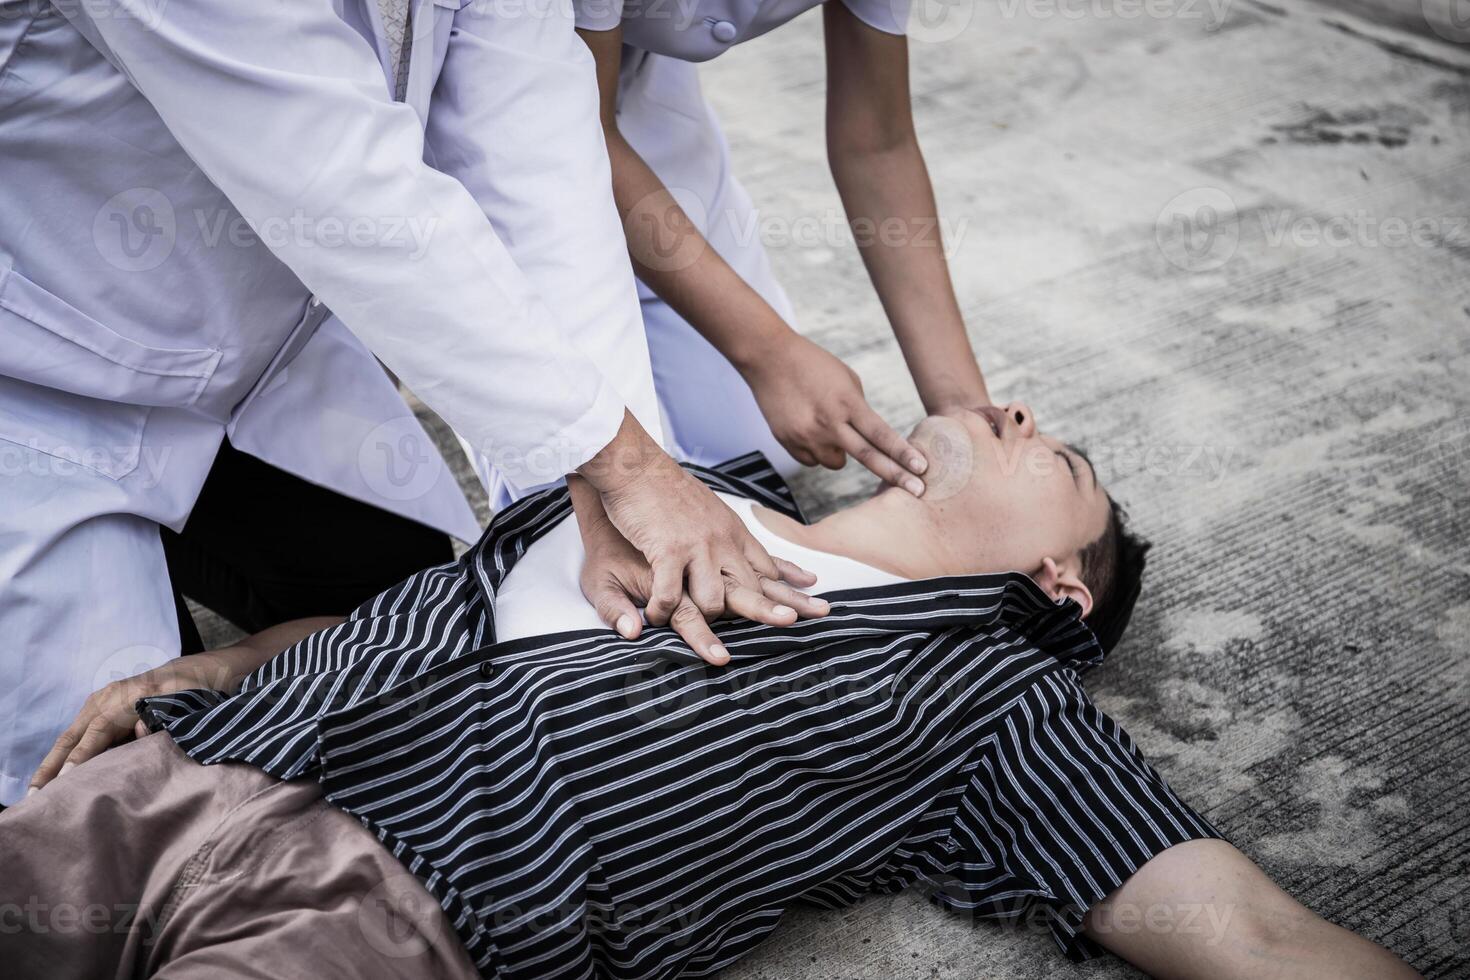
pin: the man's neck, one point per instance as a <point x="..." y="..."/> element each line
<point x="888" y="531"/>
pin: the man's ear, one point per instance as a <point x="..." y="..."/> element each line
<point x="1064" y="582"/>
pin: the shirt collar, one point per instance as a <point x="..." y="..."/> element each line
<point x="1008" y="600"/>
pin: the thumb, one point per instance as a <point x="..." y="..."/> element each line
<point x="617" y="610"/>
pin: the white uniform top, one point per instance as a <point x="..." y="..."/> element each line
<point x="182" y="178"/>
<point x="542" y="595"/>
<point x="698" y="30"/>
<point x="188" y="187"/>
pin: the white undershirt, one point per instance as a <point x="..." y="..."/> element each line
<point x="542" y="593"/>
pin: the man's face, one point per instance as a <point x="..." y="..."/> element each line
<point x="1001" y="488"/>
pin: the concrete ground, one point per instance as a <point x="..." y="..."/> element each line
<point x="1226" y="245"/>
<point x="1228" y="248"/>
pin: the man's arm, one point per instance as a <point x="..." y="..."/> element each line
<point x="879" y="169"/>
<point x="1247" y="927"/>
<point x="107" y="718"/>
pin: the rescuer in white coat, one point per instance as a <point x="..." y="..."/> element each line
<point x="188" y="189"/>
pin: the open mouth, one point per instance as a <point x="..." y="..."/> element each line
<point x="993" y="417"/>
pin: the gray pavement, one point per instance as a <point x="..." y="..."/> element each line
<point x="1226" y="245"/>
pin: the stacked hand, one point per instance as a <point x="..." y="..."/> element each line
<point x="656" y="537"/>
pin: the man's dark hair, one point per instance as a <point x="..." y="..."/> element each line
<point x="1112" y="569"/>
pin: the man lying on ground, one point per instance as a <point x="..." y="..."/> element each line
<point x="472" y="775"/>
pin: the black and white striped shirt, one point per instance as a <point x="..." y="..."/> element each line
<point x="584" y="806"/>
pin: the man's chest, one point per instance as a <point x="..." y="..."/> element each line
<point x="683" y="797"/>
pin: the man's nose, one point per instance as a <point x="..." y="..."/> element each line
<point x="1020" y="413"/>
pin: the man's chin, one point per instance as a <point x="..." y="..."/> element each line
<point x="950" y="451"/>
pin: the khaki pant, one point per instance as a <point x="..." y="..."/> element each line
<point x="142" y="863"/>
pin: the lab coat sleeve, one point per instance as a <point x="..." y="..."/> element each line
<point x="598" y="15"/>
<point x="888" y="16"/>
<point x="515" y="118"/>
<point x="284" y="107"/>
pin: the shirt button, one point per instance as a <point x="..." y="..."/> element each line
<point x="486" y="669"/>
<point x="723" y="30"/>
<point x="315" y="302"/>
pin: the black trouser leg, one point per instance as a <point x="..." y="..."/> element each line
<point x="263" y="547"/>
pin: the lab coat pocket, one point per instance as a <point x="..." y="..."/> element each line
<point x="49" y="433"/>
<point x="51" y="343"/>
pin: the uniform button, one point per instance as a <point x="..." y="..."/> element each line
<point x="486" y="669"/>
<point x="723" y="30"/>
<point x="315" y="302"/>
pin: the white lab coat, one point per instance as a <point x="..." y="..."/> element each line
<point x="188" y="187"/>
<point x="710" y="413"/>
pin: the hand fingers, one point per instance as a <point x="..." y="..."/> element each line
<point x="886" y="469"/>
<point x="743" y="601"/>
<point x="832" y="456"/>
<point x="65" y="742"/>
<point x="774" y="569"/>
<point x="687" y="621"/>
<point x="793" y="573"/>
<point x="758" y="562"/>
<point x="666" y="593"/>
<point x="885" y="438"/>
<point x="800" y="454"/>
<point x="618" y="610"/>
<point x="140" y="730"/>
<point x="706" y="587"/>
<point x="100" y="736"/>
<point x="806" y="606"/>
